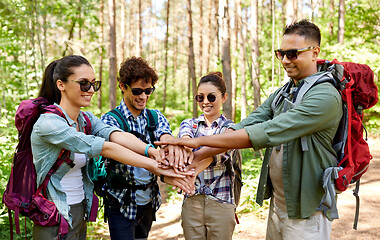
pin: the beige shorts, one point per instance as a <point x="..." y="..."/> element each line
<point x="280" y="227"/>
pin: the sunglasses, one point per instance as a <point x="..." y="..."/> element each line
<point x="86" y="85"/>
<point x="139" y="91"/>
<point x="210" y="97"/>
<point x="291" y="54"/>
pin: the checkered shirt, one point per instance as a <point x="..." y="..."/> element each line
<point x="127" y="198"/>
<point x="217" y="183"/>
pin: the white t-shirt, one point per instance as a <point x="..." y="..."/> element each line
<point x="72" y="182"/>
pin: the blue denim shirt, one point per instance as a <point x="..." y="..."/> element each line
<point x="50" y="134"/>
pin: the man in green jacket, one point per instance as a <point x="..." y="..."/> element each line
<point x="298" y="138"/>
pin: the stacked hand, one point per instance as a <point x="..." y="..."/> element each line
<point x="177" y="159"/>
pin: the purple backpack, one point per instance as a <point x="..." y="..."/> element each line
<point x="25" y="198"/>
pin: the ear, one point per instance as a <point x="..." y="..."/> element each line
<point x="224" y="98"/>
<point x="60" y="85"/>
<point x="122" y="87"/>
<point x="316" y="52"/>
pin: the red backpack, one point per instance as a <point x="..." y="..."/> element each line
<point x="355" y="83"/>
<point x="358" y="90"/>
<point x="25" y="198"/>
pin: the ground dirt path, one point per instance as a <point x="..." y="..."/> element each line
<point x="168" y="227"/>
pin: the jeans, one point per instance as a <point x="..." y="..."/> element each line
<point x="130" y="229"/>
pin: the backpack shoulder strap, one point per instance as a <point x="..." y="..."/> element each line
<point x="88" y="126"/>
<point x="312" y="81"/>
<point x="152" y="124"/>
<point x="115" y="113"/>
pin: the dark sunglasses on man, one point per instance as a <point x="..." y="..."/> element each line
<point x="85" y="85"/>
<point x="210" y="97"/>
<point x="139" y="91"/>
<point x="291" y="54"/>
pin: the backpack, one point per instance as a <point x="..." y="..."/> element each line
<point x="355" y="83"/>
<point x="99" y="168"/>
<point x="233" y="167"/>
<point x="26" y="199"/>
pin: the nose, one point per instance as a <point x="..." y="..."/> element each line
<point x="285" y="59"/>
<point x="143" y="95"/>
<point x="92" y="90"/>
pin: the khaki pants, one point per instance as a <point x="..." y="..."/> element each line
<point x="317" y="227"/>
<point x="204" y="218"/>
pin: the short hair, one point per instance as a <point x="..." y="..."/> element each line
<point x="216" y="79"/>
<point x="135" y="68"/>
<point x="306" y="29"/>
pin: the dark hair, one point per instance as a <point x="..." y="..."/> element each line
<point x="304" y="28"/>
<point x="135" y="68"/>
<point x="216" y="79"/>
<point x="59" y="69"/>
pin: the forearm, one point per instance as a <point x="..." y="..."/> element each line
<point x="127" y="156"/>
<point x="229" y="140"/>
<point x="130" y="141"/>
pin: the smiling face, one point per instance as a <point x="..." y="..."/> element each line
<point x="71" y="93"/>
<point x="211" y="110"/>
<point x="136" y="103"/>
<point x="306" y="62"/>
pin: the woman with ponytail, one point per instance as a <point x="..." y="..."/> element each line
<point x="210" y="212"/>
<point x="69" y="83"/>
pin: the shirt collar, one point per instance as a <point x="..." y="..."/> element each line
<point x="218" y="122"/>
<point x="81" y="119"/>
<point x="128" y="113"/>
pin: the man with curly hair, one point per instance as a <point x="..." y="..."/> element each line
<point x="133" y="196"/>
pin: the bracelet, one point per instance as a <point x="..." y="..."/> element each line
<point x="162" y="178"/>
<point x="147" y="148"/>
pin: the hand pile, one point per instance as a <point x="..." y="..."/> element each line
<point x="177" y="165"/>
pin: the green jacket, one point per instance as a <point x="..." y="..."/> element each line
<point x="316" y="117"/>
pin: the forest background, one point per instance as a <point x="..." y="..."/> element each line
<point x="183" y="40"/>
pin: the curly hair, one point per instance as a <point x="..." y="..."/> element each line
<point x="306" y="29"/>
<point x="216" y="79"/>
<point x="135" y="68"/>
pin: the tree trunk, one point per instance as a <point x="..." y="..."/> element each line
<point x="331" y="23"/>
<point x="200" y="38"/>
<point x="226" y="60"/>
<point x="122" y="29"/>
<point x="242" y="60"/>
<point x="341" y="22"/>
<point x="101" y="38"/>
<point x="175" y="43"/>
<point x="139" y="31"/>
<point x="255" y="54"/>
<point x="112" y="54"/>
<point x="210" y="39"/>
<point x="290" y="14"/>
<point x="132" y="32"/>
<point x="166" y="55"/>
<point x="216" y="3"/>
<point x="191" y="63"/>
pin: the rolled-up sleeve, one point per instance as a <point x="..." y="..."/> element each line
<point x="163" y="125"/>
<point x="185" y="129"/>
<point x="101" y="129"/>
<point x="309" y="117"/>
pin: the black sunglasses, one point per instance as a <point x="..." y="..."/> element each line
<point x="291" y="54"/>
<point x="210" y="97"/>
<point x="139" y="91"/>
<point x="85" y="85"/>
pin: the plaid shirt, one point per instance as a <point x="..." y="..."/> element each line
<point x="127" y="197"/>
<point x="217" y="183"/>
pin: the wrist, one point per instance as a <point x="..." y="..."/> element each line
<point x="147" y="149"/>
